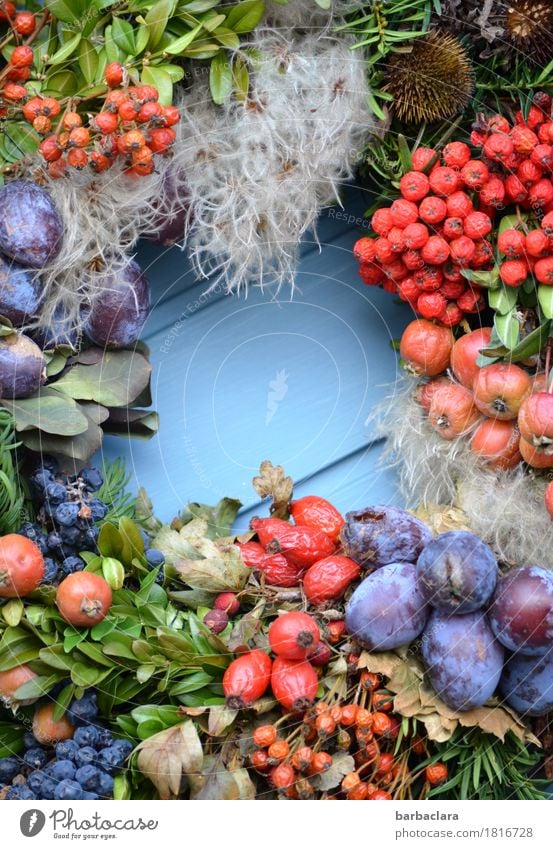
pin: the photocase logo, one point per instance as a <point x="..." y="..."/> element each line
<point x="277" y="390"/>
<point x="32" y="822"/>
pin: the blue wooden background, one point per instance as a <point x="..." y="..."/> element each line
<point x="237" y="380"/>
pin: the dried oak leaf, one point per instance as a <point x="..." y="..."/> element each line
<point x="168" y="756"/>
<point x="273" y="483"/>
<point x="342" y="763"/>
<point x="441" y="518"/>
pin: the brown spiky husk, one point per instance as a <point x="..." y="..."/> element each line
<point x="524" y="27"/>
<point x="433" y="82"/>
<point x="505" y="508"/>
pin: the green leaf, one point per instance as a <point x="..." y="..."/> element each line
<point x="508" y="328"/>
<point x="180" y="44"/>
<point x="63" y="700"/>
<point x="113" y="572"/>
<point x="66" y="51"/>
<point x="67" y="11"/>
<point x="12" y="611"/>
<point x="37" y="687"/>
<point x="152" y="75"/>
<point x="545" y="298"/>
<point x="175" y="72"/>
<point x="488" y="279"/>
<point x="510" y="222"/>
<point x="110" y="541"/>
<point x="503" y="299"/>
<point x="18" y="140"/>
<point x="115" y="381"/>
<point x="156" y="21"/>
<point x="88" y="60"/>
<point x="48" y="411"/>
<point x="245" y="16"/>
<point x="123" y="35"/>
<point x="220" y="78"/>
<point x="133" y="544"/>
<point x="532" y="343"/>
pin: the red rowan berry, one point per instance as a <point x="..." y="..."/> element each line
<point x="142" y="169"/>
<point x="428" y="279"/>
<point x="475" y="173"/>
<point x="77" y="158"/>
<point x="421" y="157"/>
<point x="79" y="137"/>
<point x="547" y="224"/>
<point x="436" y="773"/>
<point x="133" y="140"/>
<point x="545" y="133"/>
<point x="431" y="304"/>
<point x="456" y="154"/>
<point x="414" y="185"/>
<point x="22" y="57"/>
<point x="459" y="205"/>
<point x="477" y="138"/>
<point x="149" y="112"/>
<point x="57" y="168"/>
<point x="19" y="75"/>
<point x="260" y="760"/>
<point x="432" y="210"/>
<point x="453" y="228"/>
<point x="542" y="156"/>
<point x="105" y="122"/>
<point x="412" y="259"/>
<point x="524" y="140"/>
<point x="493" y="192"/>
<point x="408" y="290"/>
<point x="477" y="225"/>
<point x="143" y="156"/>
<point x="383" y="250"/>
<point x="536" y="243"/>
<point x="436" y="251"/>
<point x="364" y="250"/>
<point x="512" y="243"/>
<point x="415" y="236"/>
<point x="452" y="289"/>
<point x="395" y="270"/>
<point x="462" y="250"/>
<point x="7" y="10"/>
<point x="396" y="239"/>
<point x="513" y="272"/>
<point x="147" y="94"/>
<point x="370" y="273"/>
<point x="127" y="110"/>
<point x="452" y="315"/>
<point x="541" y="193"/>
<point x="498" y="147"/>
<point x="543" y="270"/>
<point x="498" y="124"/>
<point x="71" y="120"/>
<point x="403" y="212"/>
<point x="483" y="254"/>
<point x="452" y="272"/>
<point x="113" y="74"/>
<point x="471" y="301"/>
<point x="382" y="222"/>
<point x="528" y="172"/>
<point x="114" y="99"/>
<point x="515" y="189"/>
<point x="443" y="180"/>
<point x="264" y="735"/>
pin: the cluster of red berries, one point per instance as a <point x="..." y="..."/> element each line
<point x="132" y="124"/>
<point x="365" y="728"/>
<point x="18" y="68"/>
<point x="440" y="226"/>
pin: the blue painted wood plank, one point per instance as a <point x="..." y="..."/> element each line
<point x="241" y="380"/>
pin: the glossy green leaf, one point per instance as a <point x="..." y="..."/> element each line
<point x="531" y="344"/>
<point x="123" y="34"/>
<point x="545" y="298"/>
<point x="12" y="611"/>
<point x="502" y="299"/>
<point x="508" y="328"/>
<point x="142" y="37"/>
<point x="156" y="21"/>
<point x="175" y="72"/>
<point x="113" y="572"/>
<point x="68" y="11"/>
<point x="48" y="411"/>
<point x="244" y="17"/>
<point x="488" y="279"/>
<point x="220" y="78"/>
<point x="66" y="50"/>
<point x="180" y="44"/>
<point x="115" y="381"/>
<point x="88" y="60"/>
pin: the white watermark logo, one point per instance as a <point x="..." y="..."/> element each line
<point x="277" y="392"/>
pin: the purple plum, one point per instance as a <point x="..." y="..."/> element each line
<point x="22" y="366"/>
<point x="457" y="572"/>
<point x="31" y="228"/>
<point x="527" y="684"/>
<point x="463" y="659"/>
<point x="387" y="610"/>
<point x="19" y="292"/>
<point x="521" y="611"/>
<point x="380" y="535"/>
<point x="118" y="313"/>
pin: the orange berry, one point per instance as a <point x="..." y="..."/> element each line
<point x="14" y="92"/>
<point x="113" y="74"/>
<point x="301" y="759"/>
<point x="385" y="763"/>
<point x="360" y="792"/>
<point x="436" y="773"/>
<point x="127" y="110"/>
<point x="32" y="108"/>
<point x="381" y="724"/>
<point x="57" y="168"/>
<point x="380" y="795"/>
<point x="98" y="162"/>
<point x="142" y="156"/>
<point x="264" y="735"/>
<point x="24" y="23"/>
<point x="114" y="99"/>
<point x="79" y="137"/>
<point x="282" y="776"/>
<point x="260" y="760"/>
<point x="105" y="122"/>
<point x="50" y="148"/>
<point x="417" y="746"/>
<point x="133" y="140"/>
<point x="325" y="726"/>
<point x="370" y="680"/>
<point x="348" y="715"/>
<point x="77" y="158"/>
<point x="22" y="57"/>
<point x="364" y="718"/>
<point x="171" y="115"/>
<point x="320" y="762"/>
<point x="349" y="781"/>
<point x="147" y="94"/>
<point x="42" y="124"/>
<point x="50" y="106"/>
<point x="20" y="75"/>
<point x="148" y="112"/>
<point x="278" y="750"/>
<point x="161" y="139"/>
<point x="336" y="630"/>
<point x="71" y="120"/>
<point x="141" y="169"/>
<point x="383" y="700"/>
<point x="7" y="10"/>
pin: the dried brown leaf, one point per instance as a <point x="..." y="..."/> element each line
<point x="273" y="483"/>
<point x="442" y="518"/>
<point x="342" y="763"/>
<point x="220" y="717"/>
<point x="168" y="756"/>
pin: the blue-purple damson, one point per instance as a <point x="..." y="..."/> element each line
<point x="387" y="610"/>
<point x="521" y="612"/>
<point x="31" y="228"/>
<point x="20" y="293"/>
<point x="383" y="534"/>
<point x="22" y="366"/>
<point x="463" y="659"/>
<point x="117" y="316"/>
<point x="527" y="684"/>
<point x="457" y="572"/>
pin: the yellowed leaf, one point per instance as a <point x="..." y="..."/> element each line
<point x="169" y="755"/>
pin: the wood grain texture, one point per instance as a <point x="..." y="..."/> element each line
<point x="239" y="380"/>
